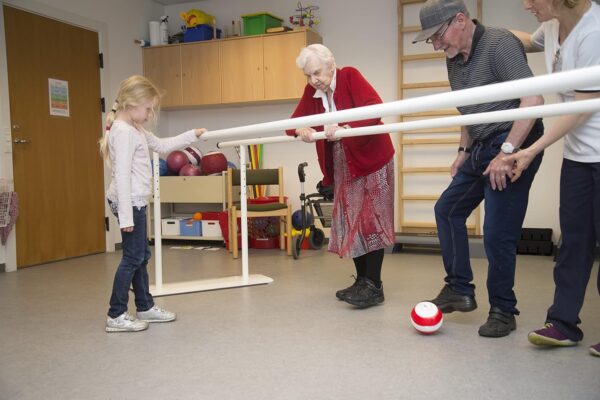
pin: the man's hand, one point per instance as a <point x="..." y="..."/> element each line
<point x="500" y="167"/>
<point x="458" y="162"/>
<point x="127" y="229"/>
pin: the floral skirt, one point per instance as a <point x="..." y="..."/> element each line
<point x="363" y="209"/>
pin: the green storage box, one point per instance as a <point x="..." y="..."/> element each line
<point x="257" y="24"/>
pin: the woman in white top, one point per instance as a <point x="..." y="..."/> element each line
<point x="126" y="146"/>
<point x="570" y="38"/>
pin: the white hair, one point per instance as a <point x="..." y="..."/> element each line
<point x="315" y="52"/>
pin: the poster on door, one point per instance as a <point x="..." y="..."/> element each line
<point x="59" y="97"/>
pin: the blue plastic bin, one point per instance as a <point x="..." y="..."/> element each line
<point x="188" y="227"/>
<point x="200" y="32"/>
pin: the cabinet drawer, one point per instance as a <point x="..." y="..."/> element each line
<point x="192" y="189"/>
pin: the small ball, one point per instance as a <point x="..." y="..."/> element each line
<point x="426" y="318"/>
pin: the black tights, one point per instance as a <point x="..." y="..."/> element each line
<point x="369" y="265"/>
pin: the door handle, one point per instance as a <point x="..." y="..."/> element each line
<point x="21" y="141"/>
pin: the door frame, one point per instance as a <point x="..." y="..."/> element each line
<point x="8" y="252"/>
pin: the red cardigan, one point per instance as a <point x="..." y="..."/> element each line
<point x="364" y="154"/>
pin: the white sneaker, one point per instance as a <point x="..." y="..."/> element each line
<point x="156" y="314"/>
<point x="125" y="323"/>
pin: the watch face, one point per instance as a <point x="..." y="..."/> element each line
<point x="507" y="148"/>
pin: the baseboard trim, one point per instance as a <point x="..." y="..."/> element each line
<point x="406" y="240"/>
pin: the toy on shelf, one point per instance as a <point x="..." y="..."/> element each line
<point x="195" y="17"/>
<point x="305" y="16"/>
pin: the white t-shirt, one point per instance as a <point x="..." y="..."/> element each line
<point x="131" y="180"/>
<point x="579" y="50"/>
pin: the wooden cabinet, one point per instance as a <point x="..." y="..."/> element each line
<point x="242" y="72"/>
<point x="200" y="72"/>
<point x="235" y="70"/>
<point x="283" y="79"/>
<point x="162" y="65"/>
<point x="259" y="68"/>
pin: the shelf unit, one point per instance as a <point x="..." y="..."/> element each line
<point x="208" y="191"/>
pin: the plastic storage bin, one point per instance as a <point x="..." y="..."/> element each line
<point x="211" y="228"/>
<point x="190" y="227"/>
<point x="257" y="24"/>
<point x="170" y="226"/>
<point x="199" y="32"/>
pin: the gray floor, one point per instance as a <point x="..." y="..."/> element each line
<point x="288" y="340"/>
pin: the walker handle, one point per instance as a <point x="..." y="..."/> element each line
<point x="301" y="174"/>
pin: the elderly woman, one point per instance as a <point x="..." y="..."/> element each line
<point x="360" y="168"/>
<point x="569" y="35"/>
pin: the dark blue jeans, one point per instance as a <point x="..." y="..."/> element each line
<point x="504" y="214"/>
<point x="132" y="271"/>
<point x="580" y="228"/>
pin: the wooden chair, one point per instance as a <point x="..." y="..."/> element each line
<point x="281" y="208"/>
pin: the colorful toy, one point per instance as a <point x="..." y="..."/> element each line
<point x="195" y="17"/>
<point x="305" y="16"/>
<point x="426" y="318"/>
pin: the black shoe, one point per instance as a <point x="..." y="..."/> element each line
<point x="341" y="294"/>
<point x="498" y="324"/>
<point x="366" y="294"/>
<point x="448" y="301"/>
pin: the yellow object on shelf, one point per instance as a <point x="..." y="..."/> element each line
<point x="195" y="17"/>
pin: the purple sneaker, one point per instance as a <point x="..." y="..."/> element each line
<point x="549" y="336"/>
<point x="595" y="350"/>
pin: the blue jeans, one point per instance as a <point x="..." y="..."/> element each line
<point x="504" y="214"/>
<point x="132" y="270"/>
<point x="580" y="228"/>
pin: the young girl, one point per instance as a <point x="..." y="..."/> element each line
<point x="125" y="147"/>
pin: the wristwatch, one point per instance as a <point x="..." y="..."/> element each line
<point x="508" y="148"/>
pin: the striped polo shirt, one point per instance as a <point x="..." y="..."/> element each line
<point x="496" y="56"/>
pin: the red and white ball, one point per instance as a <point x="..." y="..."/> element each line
<point x="426" y="318"/>
<point x="193" y="154"/>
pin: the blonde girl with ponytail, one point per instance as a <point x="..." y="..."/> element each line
<point x="126" y="147"/>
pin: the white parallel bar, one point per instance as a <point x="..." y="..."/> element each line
<point x="551" y="83"/>
<point x="260" y="140"/>
<point x="157" y="225"/>
<point x="550" y="110"/>
<point x="244" y="209"/>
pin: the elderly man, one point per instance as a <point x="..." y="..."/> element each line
<point x="479" y="55"/>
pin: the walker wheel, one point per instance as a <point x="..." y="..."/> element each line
<point x="316" y="239"/>
<point x="296" y="246"/>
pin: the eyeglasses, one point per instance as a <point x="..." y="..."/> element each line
<point x="439" y="34"/>
<point x="557" y="63"/>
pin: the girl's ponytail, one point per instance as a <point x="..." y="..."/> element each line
<point x="103" y="142"/>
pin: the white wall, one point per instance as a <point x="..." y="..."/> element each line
<point x="118" y="23"/>
<point x="365" y="40"/>
<point x="360" y="34"/>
